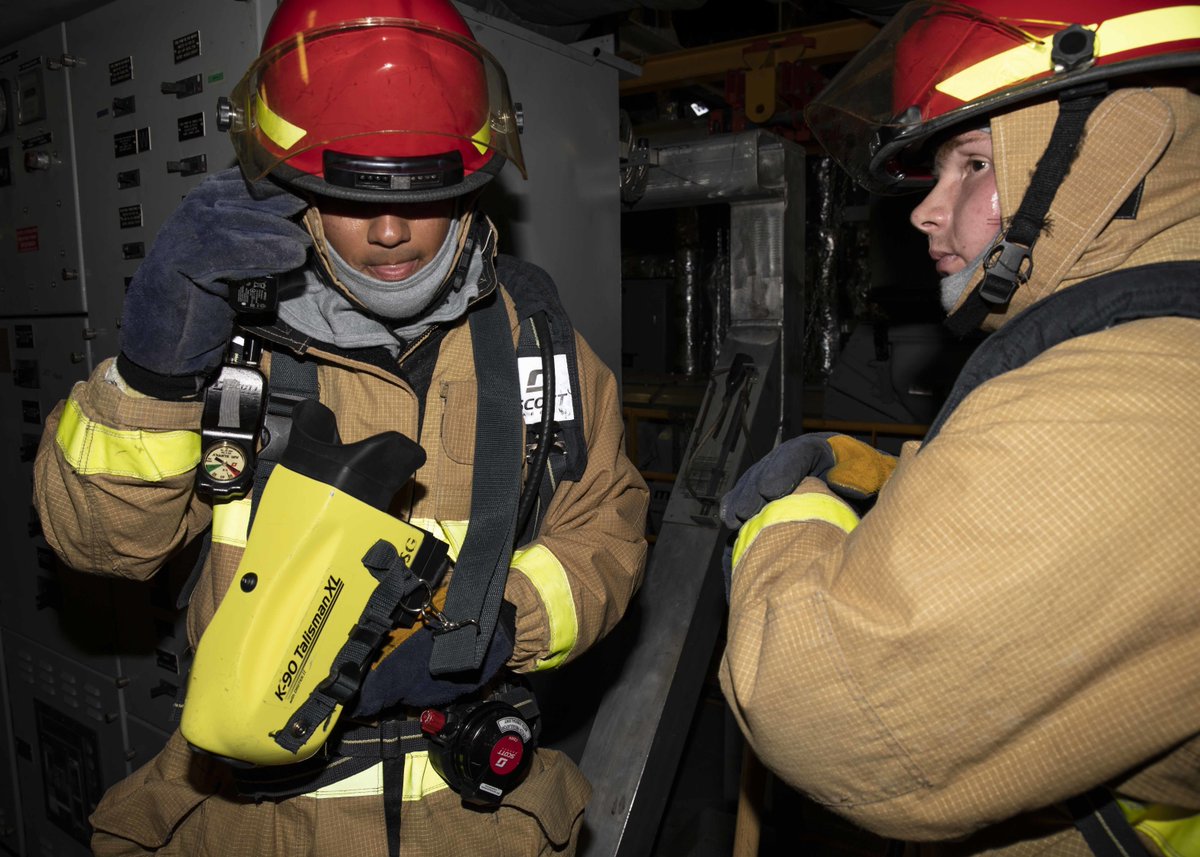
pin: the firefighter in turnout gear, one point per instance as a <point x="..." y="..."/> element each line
<point x="997" y="655"/>
<point x="324" y="340"/>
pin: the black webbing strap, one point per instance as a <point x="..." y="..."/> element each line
<point x="396" y="581"/>
<point x="477" y="588"/>
<point x="1009" y="263"/>
<point x="1149" y="291"/>
<point x="393" y="739"/>
<point x="291" y="382"/>
<point x="1103" y="826"/>
<point x="349" y="751"/>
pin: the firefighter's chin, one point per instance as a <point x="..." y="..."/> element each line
<point x="953" y="285"/>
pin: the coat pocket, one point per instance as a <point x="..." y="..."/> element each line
<point x="456" y="459"/>
<point x="554" y="795"/>
<point x="458" y="420"/>
<point x="141" y="813"/>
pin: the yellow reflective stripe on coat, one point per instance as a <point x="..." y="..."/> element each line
<point x="549" y="578"/>
<point x="231" y="526"/>
<point x="1175" y="831"/>
<point x="152" y="456"/>
<point x="231" y="522"/>
<point x="453" y="533"/>
<point x="794" y="507"/>
<point x="1114" y="36"/>
<point x="420" y="780"/>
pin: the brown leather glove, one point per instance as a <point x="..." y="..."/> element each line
<point x="851" y="468"/>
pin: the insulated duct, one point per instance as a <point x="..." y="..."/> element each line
<point x="822" y="318"/>
<point x="689" y="352"/>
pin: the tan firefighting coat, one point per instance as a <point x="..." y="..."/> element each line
<point x="126" y="525"/>
<point x="1015" y="620"/>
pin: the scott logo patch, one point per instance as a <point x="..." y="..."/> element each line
<point x="532" y="390"/>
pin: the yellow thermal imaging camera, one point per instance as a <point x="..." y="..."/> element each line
<point x="326" y="573"/>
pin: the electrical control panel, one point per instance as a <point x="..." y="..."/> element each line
<point x="40" y="253"/>
<point x="106" y="121"/>
<point x="145" y="127"/>
<point x="68" y="743"/>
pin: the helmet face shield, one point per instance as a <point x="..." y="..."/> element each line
<point x="938" y="64"/>
<point x="849" y="115"/>
<point x="415" y="100"/>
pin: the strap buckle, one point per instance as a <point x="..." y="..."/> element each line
<point x="433" y="618"/>
<point x="1015" y="266"/>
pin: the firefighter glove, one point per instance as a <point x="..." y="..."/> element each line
<point x="402" y="677"/>
<point x="851" y="469"/>
<point x="177" y="319"/>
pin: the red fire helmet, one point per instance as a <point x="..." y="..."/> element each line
<point x="939" y="64"/>
<point x="373" y="100"/>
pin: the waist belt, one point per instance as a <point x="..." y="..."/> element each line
<point x="348" y="751"/>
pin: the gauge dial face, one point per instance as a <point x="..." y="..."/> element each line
<point x="224" y="462"/>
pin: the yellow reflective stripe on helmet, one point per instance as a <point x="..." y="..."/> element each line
<point x="420" y="780"/>
<point x="1151" y="27"/>
<point x="231" y="522"/>
<point x="483" y="137"/>
<point x="549" y="578"/>
<point x="152" y="456"/>
<point x="451" y="532"/>
<point x="794" y="507"/>
<point x="996" y="72"/>
<point x="274" y="127"/>
<point x="1114" y="36"/>
<point x="1175" y="831"/>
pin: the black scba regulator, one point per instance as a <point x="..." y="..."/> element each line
<point x="482" y="749"/>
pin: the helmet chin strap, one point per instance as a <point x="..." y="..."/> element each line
<point x="1009" y="263"/>
<point x="954" y="285"/>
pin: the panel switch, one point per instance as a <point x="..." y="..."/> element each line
<point x="124" y="105"/>
<point x="183" y="87"/>
<point x="189" y="166"/>
<point x="37" y="160"/>
<point x="64" y="61"/>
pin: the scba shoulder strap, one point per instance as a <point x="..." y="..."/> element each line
<point x="1164" y="289"/>
<point x="477" y="587"/>
<point x="499" y="517"/>
<point x="292" y="381"/>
